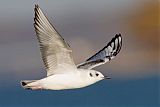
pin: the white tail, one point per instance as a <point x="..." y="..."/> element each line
<point x="29" y="85"/>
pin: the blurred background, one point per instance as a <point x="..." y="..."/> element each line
<point x="87" y="25"/>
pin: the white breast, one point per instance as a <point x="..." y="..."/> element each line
<point x="63" y="81"/>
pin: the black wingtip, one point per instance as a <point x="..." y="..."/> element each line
<point x="36" y="5"/>
<point x="118" y="35"/>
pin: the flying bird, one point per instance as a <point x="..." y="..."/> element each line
<point x="62" y="72"/>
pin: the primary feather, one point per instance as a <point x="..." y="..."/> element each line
<point x="56" y="53"/>
<point x="104" y="55"/>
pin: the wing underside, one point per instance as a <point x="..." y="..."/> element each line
<point x="56" y="53"/>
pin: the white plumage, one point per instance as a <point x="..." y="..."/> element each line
<point x="62" y="73"/>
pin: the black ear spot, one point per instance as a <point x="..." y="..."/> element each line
<point x="91" y="74"/>
<point x="97" y="74"/>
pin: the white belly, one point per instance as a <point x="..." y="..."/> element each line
<point x="63" y="81"/>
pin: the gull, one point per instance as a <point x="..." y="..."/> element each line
<point x="62" y="72"/>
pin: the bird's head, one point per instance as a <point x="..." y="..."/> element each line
<point x="96" y="75"/>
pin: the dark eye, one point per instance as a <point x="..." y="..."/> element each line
<point x="97" y="74"/>
<point x="90" y="74"/>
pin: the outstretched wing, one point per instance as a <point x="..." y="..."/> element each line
<point x="56" y="53"/>
<point x="104" y="55"/>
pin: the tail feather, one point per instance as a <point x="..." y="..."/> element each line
<point x="25" y="84"/>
